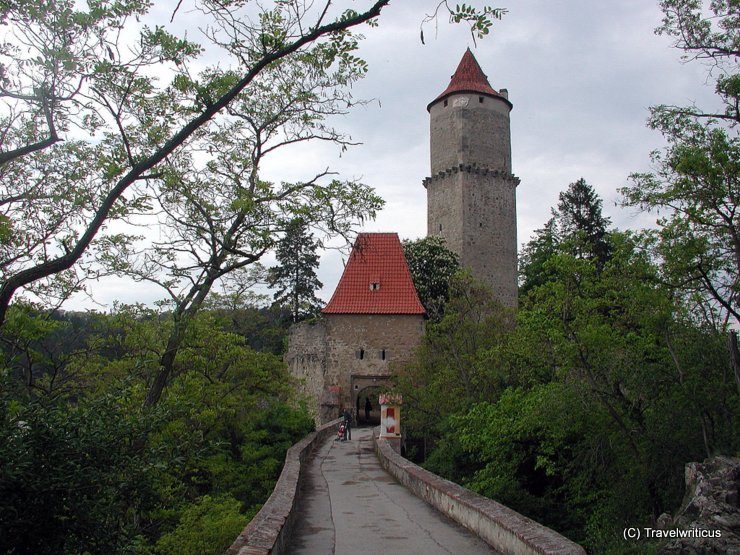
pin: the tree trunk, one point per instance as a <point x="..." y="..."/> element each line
<point x="734" y="356"/>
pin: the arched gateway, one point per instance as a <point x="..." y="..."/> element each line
<point x="373" y="322"/>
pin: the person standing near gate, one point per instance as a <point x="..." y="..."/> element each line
<point x="347" y="415"/>
<point x="368" y="408"/>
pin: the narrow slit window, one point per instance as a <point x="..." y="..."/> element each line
<point x="383" y="354"/>
<point x="480" y="99"/>
<point x="445" y="104"/>
<point x="374" y="286"/>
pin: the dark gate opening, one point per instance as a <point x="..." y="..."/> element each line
<point x="365" y="399"/>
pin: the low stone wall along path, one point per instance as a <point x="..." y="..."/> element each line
<point x="350" y="505"/>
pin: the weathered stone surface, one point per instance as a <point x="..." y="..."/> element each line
<point x="711" y="504"/>
<point x="306" y="358"/>
<point x="470" y="129"/>
<point x="341" y="355"/>
<point x="476" y="215"/>
<point x="502" y="528"/>
<point x="471" y="196"/>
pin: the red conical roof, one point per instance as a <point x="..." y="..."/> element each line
<point x="468" y="77"/>
<point x="376" y="279"/>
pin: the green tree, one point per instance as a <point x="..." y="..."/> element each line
<point x="96" y="103"/>
<point x="295" y="275"/>
<point x="67" y="72"/>
<point x="708" y="34"/>
<point x="535" y="254"/>
<point x="584" y="414"/>
<point x="446" y="376"/>
<point x="577" y="227"/>
<point x="695" y="187"/>
<point x="432" y="266"/>
<point x="581" y="221"/>
<point x="221" y="217"/>
<point x="221" y="432"/>
<point x="263" y="325"/>
<point x="72" y="478"/>
<point x="207" y="527"/>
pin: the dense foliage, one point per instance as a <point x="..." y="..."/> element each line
<point x="86" y="468"/>
<point x="584" y="414"/>
<point x="432" y="266"/>
<point x="694" y="188"/>
<point x="619" y="370"/>
<point x="122" y="152"/>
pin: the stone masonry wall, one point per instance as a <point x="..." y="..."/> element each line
<point x="468" y="131"/>
<point x="502" y="528"/>
<point x="269" y="531"/>
<point x="471" y="194"/>
<point x="474" y="210"/>
<point x="306" y="360"/>
<point x="356" y="343"/>
<point x="341" y="351"/>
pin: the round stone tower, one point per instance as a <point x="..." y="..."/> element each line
<point x="471" y="194"/>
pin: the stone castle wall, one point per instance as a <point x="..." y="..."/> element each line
<point x="306" y="360"/>
<point x="338" y="357"/>
<point x="474" y="210"/>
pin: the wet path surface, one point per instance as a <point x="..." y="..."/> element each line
<point x="349" y="504"/>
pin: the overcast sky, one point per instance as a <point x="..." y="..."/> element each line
<point x="581" y="75"/>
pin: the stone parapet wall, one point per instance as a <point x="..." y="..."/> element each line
<point x="502" y="528"/>
<point x="269" y="531"/>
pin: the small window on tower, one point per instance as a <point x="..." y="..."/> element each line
<point x="480" y="99"/>
<point x="361" y="354"/>
<point x="374" y="286"/>
<point x="440" y="227"/>
<point x="445" y="103"/>
<point x="383" y="354"/>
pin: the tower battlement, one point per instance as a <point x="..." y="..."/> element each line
<point x="473" y="169"/>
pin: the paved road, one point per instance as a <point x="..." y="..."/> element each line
<point x="350" y="505"/>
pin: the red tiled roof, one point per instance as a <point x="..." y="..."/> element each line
<point x="468" y="77"/>
<point x="376" y="258"/>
